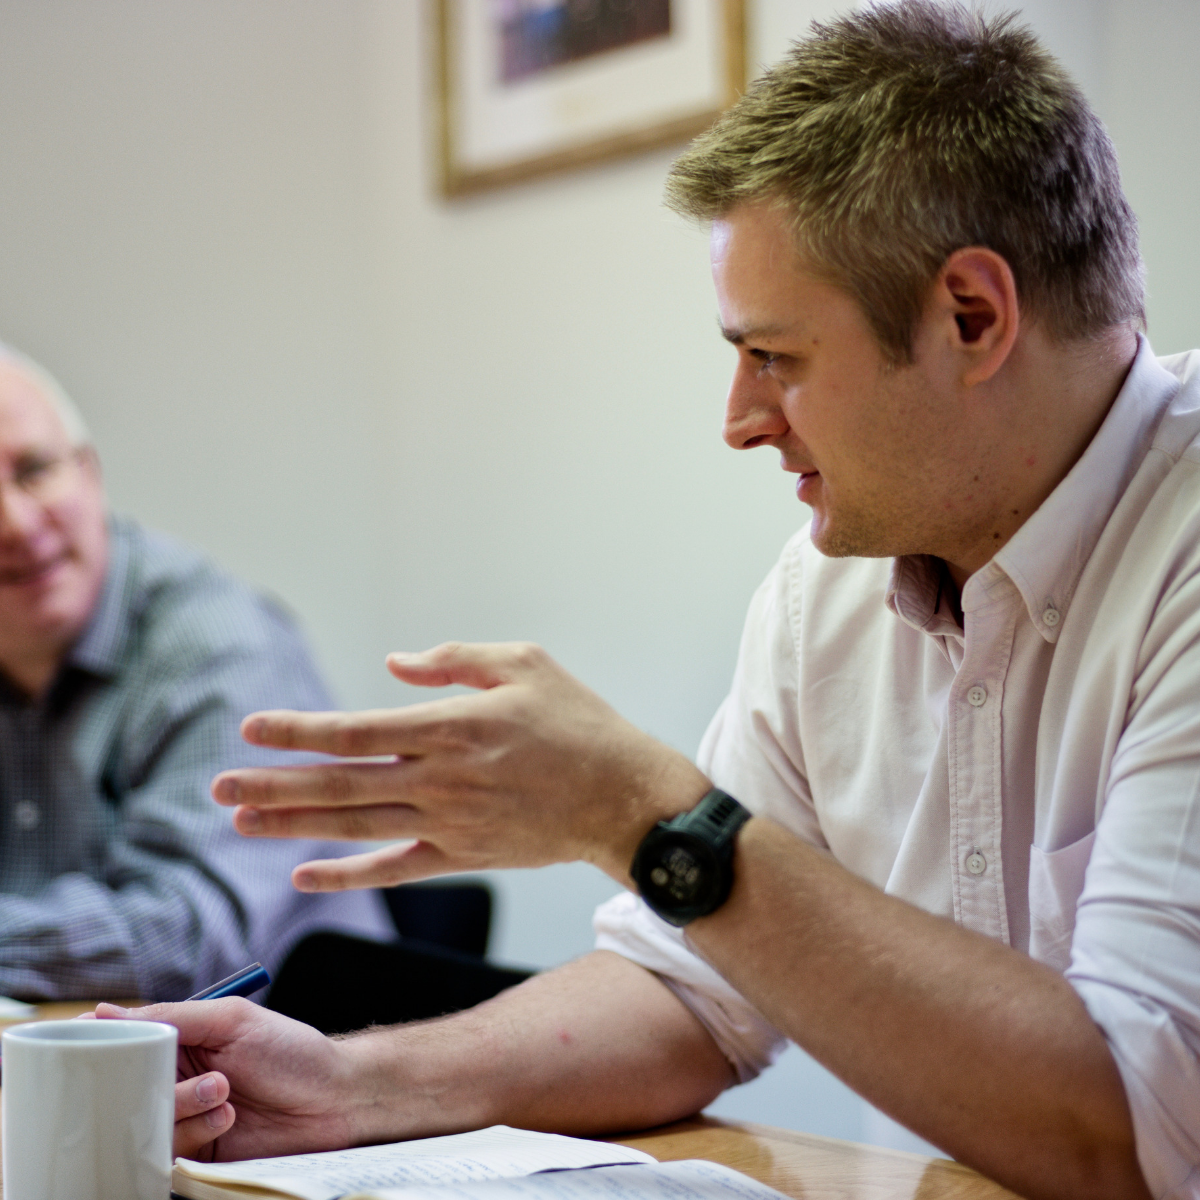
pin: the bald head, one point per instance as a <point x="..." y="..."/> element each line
<point x="51" y="391"/>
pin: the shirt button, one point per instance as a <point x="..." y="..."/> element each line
<point x="27" y="815"/>
<point x="976" y="863"/>
<point x="1050" y="616"/>
<point x="977" y="695"/>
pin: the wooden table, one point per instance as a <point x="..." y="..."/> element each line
<point x="809" y="1167"/>
<point x="801" y="1165"/>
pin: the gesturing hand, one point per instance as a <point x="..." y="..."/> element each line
<point x="533" y="769"/>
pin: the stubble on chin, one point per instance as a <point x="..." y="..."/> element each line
<point x="852" y="535"/>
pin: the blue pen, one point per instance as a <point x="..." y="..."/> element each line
<point x="245" y="982"/>
<point x="241" y="983"/>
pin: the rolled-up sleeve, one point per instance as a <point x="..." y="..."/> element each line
<point x="1135" y="957"/>
<point x="625" y="925"/>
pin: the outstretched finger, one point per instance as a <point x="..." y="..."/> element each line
<point x="318" y="784"/>
<point x="384" y="822"/>
<point x="473" y="664"/>
<point x="376" y="868"/>
<point x="347" y="734"/>
<point x="410" y="731"/>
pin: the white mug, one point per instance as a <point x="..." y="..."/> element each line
<point x="89" y="1109"/>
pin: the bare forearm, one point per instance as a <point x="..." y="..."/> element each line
<point x="968" y="1042"/>
<point x="597" y="1046"/>
<point x="975" y="1046"/>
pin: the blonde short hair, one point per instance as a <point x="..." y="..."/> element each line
<point x="66" y="408"/>
<point x="899" y="134"/>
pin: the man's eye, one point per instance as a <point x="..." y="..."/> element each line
<point x="32" y="471"/>
<point x="765" y="359"/>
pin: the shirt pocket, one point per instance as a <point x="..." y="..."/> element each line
<point x="1055" y="885"/>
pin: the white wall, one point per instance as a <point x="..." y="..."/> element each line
<point x="1152" y="106"/>
<point x="416" y="420"/>
<point x="183" y="237"/>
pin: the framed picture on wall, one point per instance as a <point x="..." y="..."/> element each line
<point x="533" y="86"/>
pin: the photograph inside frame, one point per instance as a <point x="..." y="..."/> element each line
<point x="528" y="87"/>
<point x="538" y="35"/>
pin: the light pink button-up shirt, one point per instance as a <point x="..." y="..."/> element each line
<point x="1033" y="775"/>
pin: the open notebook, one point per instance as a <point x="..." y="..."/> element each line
<point x="490" y="1164"/>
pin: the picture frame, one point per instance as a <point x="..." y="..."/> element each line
<point x="530" y="87"/>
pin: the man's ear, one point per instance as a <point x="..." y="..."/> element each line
<point x="90" y="461"/>
<point x="976" y="291"/>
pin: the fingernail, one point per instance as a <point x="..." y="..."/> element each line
<point x="249" y="820"/>
<point x="225" y="790"/>
<point x="304" y="883"/>
<point x="206" y="1090"/>
<point x="117" y="1008"/>
<point x="252" y="729"/>
<point x="216" y="1118"/>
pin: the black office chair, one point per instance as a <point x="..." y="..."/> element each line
<point x="455" y="916"/>
<point x="338" y="983"/>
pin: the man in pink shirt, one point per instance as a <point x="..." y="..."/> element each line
<point x="964" y="732"/>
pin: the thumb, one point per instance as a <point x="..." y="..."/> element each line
<point x="206" y="1023"/>
<point x="474" y="664"/>
<point x="401" y="862"/>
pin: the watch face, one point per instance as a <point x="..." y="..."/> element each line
<point x="684" y="867"/>
<point x="678" y="874"/>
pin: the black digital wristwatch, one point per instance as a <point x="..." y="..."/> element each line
<point x="684" y="866"/>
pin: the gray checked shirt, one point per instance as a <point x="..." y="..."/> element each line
<point x="119" y="876"/>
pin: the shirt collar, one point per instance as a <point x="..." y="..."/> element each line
<point x="100" y="649"/>
<point x="1046" y="556"/>
<point x="917" y="595"/>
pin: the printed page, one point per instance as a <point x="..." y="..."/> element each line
<point x="459" y="1157"/>
<point x="693" y="1179"/>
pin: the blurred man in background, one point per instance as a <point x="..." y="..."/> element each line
<point x="126" y="663"/>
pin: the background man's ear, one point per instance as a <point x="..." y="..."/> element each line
<point x="90" y="461"/>
<point x="978" y="289"/>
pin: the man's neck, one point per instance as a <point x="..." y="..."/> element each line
<point x="1058" y="398"/>
<point x="32" y="674"/>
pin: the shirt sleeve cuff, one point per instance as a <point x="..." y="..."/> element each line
<point x="1161" y="1078"/>
<point x="626" y="926"/>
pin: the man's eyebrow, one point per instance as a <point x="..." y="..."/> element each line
<point x="738" y="337"/>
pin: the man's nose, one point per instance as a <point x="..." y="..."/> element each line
<point x="752" y="413"/>
<point x="19" y="512"/>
